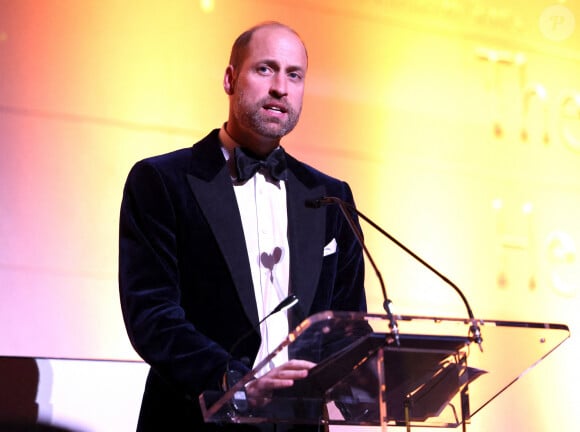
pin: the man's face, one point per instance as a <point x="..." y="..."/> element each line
<point x="266" y="89"/>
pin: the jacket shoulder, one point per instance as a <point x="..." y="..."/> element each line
<point x="182" y="159"/>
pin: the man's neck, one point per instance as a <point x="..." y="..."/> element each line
<point x="258" y="145"/>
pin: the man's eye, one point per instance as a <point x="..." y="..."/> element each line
<point x="295" y="75"/>
<point x="264" y="69"/>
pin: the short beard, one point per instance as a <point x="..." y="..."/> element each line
<point x="251" y="118"/>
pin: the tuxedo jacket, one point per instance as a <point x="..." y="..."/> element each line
<point x="184" y="274"/>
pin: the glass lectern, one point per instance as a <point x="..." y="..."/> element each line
<point x="428" y="373"/>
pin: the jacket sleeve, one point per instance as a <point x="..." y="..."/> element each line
<point x="149" y="285"/>
<point x="348" y="291"/>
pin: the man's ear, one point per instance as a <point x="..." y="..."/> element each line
<point x="229" y="80"/>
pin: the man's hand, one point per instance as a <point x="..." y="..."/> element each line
<point x="259" y="391"/>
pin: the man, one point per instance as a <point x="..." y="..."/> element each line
<point x="206" y="253"/>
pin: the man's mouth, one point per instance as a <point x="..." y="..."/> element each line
<point x="275" y="108"/>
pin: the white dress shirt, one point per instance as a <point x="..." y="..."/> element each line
<point x="262" y="204"/>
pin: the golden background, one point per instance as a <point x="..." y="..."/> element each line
<point x="457" y="124"/>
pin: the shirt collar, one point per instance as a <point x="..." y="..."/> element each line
<point x="228" y="146"/>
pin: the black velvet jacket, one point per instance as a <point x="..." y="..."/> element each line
<point x="184" y="274"/>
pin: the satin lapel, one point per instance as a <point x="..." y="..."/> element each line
<point x="217" y="200"/>
<point x="306" y="231"/>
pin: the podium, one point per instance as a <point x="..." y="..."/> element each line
<point x="430" y="373"/>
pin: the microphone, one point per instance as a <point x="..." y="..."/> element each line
<point x="474" y="330"/>
<point x="232" y="376"/>
<point x="285" y="304"/>
<point x="343" y="205"/>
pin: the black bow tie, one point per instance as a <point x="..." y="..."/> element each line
<point x="247" y="165"/>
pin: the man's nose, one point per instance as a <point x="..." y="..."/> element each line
<point x="279" y="86"/>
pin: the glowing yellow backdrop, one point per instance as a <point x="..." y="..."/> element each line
<point x="457" y="123"/>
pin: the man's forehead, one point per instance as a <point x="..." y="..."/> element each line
<point x="273" y="42"/>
